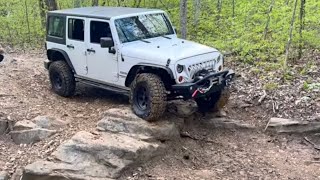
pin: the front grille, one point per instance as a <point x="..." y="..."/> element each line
<point x="194" y="68"/>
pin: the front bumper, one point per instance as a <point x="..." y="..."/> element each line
<point x="212" y="82"/>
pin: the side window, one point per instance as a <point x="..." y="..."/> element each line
<point x="56" y="26"/>
<point x="98" y="30"/>
<point x="76" y="29"/>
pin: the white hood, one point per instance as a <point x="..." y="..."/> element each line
<point x="160" y="49"/>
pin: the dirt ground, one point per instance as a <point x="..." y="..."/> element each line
<point x="216" y="154"/>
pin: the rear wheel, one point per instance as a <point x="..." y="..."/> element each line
<point x="62" y="78"/>
<point x="213" y="102"/>
<point x="148" y="96"/>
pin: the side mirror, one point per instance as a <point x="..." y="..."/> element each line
<point x="106" y="42"/>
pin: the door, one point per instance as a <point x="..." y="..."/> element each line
<point x="102" y="63"/>
<point x="76" y="46"/>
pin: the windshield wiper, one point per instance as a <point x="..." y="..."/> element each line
<point x="166" y="37"/>
<point x="144" y="40"/>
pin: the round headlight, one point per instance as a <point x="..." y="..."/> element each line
<point x="179" y="68"/>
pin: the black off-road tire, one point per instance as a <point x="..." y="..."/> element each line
<point x="214" y="102"/>
<point x="62" y="78"/>
<point x="152" y="87"/>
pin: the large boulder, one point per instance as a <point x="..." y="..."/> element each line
<point x="41" y="127"/>
<point x="124" y="121"/>
<point x="89" y="156"/>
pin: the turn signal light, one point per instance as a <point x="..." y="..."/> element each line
<point x="180" y="79"/>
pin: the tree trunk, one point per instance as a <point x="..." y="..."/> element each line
<point x="95" y="2"/>
<point x="183" y="18"/>
<point x="42" y="13"/>
<point x="233" y="7"/>
<point x="27" y="20"/>
<point x="197" y="7"/>
<point x="301" y="18"/>
<point x="51" y="5"/>
<point x="268" y="21"/>
<point x="77" y="3"/>
<point x="290" y="35"/>
<point x="219" y="8"/>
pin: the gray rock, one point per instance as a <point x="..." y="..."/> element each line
<point x="4" y="175"/>
<point x="3" y="126"/>
<point x="281" y="125"/>
<point x="124" y="121"/>
<point x="31" y="135"/>
<point x="227" y="124"/>
<point x="41" y="127"/>
<point x="24" y="125"/>
<point x="89" y="156"/>
<point x="182" y="108"/>
<point x="49" y="122"/>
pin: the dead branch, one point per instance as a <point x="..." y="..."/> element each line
<point x="315" y="146"/>
<point x="262" y="97"/>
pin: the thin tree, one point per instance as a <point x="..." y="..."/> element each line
<point x="197" y="7"/>
<point x="183" y="18"/>
<point x="233" y="7"/>
<point x="27" y="20"/>
<point x="95" y="2"/>
<point x="51" y="5"/>
<point x="290" y="35"/>
<point x="301" y="18"/>
<point x="42" y="8"/>
<point x="268" y="20"/>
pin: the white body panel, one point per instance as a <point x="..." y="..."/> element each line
<point x="76" y="51"/>
<point x="159" y="52"/>
<point x="102" y="65"/>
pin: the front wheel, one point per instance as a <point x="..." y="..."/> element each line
<point x="148" y="96"/>
<point x="214" y="101"/>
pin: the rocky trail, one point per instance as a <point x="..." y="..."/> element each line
<point x="94" y="135"/>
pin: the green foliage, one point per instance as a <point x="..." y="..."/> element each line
<point x="270" y="86"/>
<point x="246" y="34"/>
<point x="311" y="86"/>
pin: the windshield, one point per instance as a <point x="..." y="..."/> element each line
<point x="143" y="27"/>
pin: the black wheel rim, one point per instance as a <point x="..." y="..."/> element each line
<point x="57" y="81"/>
<point x="142" y="97"/>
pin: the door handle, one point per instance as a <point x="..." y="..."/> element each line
<point x="70" y="46"/>
<point x="91" y="50"/>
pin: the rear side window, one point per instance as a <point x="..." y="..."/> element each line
<point x="56" y="26"/>
<point x="76" y="29"/>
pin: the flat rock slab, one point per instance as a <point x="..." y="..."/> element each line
<point x="124" y="121"/>
<point x="226" y="124"/>
<point x="3" y="126"/>
<point x="31" y="135"/>
<point x="281" y="125"/>
<point x="88" y="156"/>
<point x="37" y="129"/>
<point x="4" y="175"/>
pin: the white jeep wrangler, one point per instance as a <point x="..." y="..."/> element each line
<point x="131" y="51"/>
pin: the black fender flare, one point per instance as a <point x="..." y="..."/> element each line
<point x="50" y="53"/>
<point x="169" y="71"/>
<point x="130" y="78"/>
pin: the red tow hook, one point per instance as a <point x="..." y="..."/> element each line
<point x="195" y="93"/>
